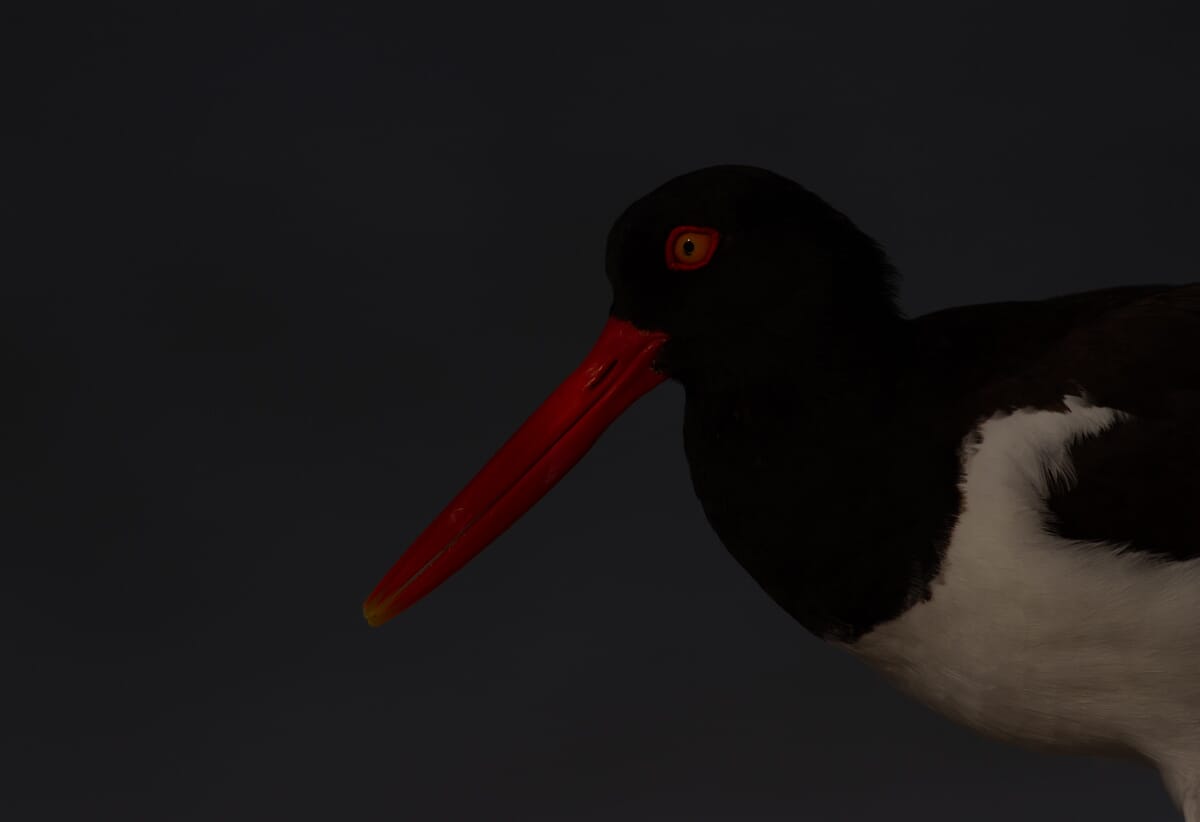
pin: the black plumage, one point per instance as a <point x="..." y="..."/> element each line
<point x="824" y="430"/>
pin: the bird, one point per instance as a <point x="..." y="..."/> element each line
<point x="995" y="506"/>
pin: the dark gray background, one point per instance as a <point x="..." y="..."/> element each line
<point x="275" y="285"/>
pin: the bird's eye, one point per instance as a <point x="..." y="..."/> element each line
<point x="690" y="247"/>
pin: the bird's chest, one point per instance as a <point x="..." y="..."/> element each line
<point x="1038" y="666"/>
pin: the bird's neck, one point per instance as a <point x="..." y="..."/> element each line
<point x="822" y="484"/>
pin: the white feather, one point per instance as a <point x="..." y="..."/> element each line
<point x="1039" y="640"/>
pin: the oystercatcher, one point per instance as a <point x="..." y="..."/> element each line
<point x="997" y="506"/>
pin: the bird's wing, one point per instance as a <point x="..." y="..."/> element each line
<point x="1135" y="349"/>
<point x="1138" y="482"/>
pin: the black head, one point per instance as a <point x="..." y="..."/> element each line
<point x="719" y="276"/>
<point x="787" y="272"/>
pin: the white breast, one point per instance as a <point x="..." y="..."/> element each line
<point x="1040" y="640"/>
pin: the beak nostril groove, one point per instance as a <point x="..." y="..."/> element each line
<point x="600" y="374"/>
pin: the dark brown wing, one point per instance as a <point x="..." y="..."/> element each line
<point x="1134" y="349"/>
<point x="1137" y="483"/>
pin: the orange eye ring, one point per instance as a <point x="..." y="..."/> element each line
<point x="690" y="247"/>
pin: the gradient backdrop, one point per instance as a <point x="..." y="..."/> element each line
<point x="276" y="284"/>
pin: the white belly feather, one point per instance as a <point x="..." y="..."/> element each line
<point x="1040" y="640"/>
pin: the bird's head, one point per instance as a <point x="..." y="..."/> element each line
<point x="723" y="274"/>
<point x="741" y="268"/>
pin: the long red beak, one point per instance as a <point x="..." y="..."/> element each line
<point x="617" y="371"/>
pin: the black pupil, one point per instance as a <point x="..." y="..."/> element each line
<point x="688" y="247"/>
